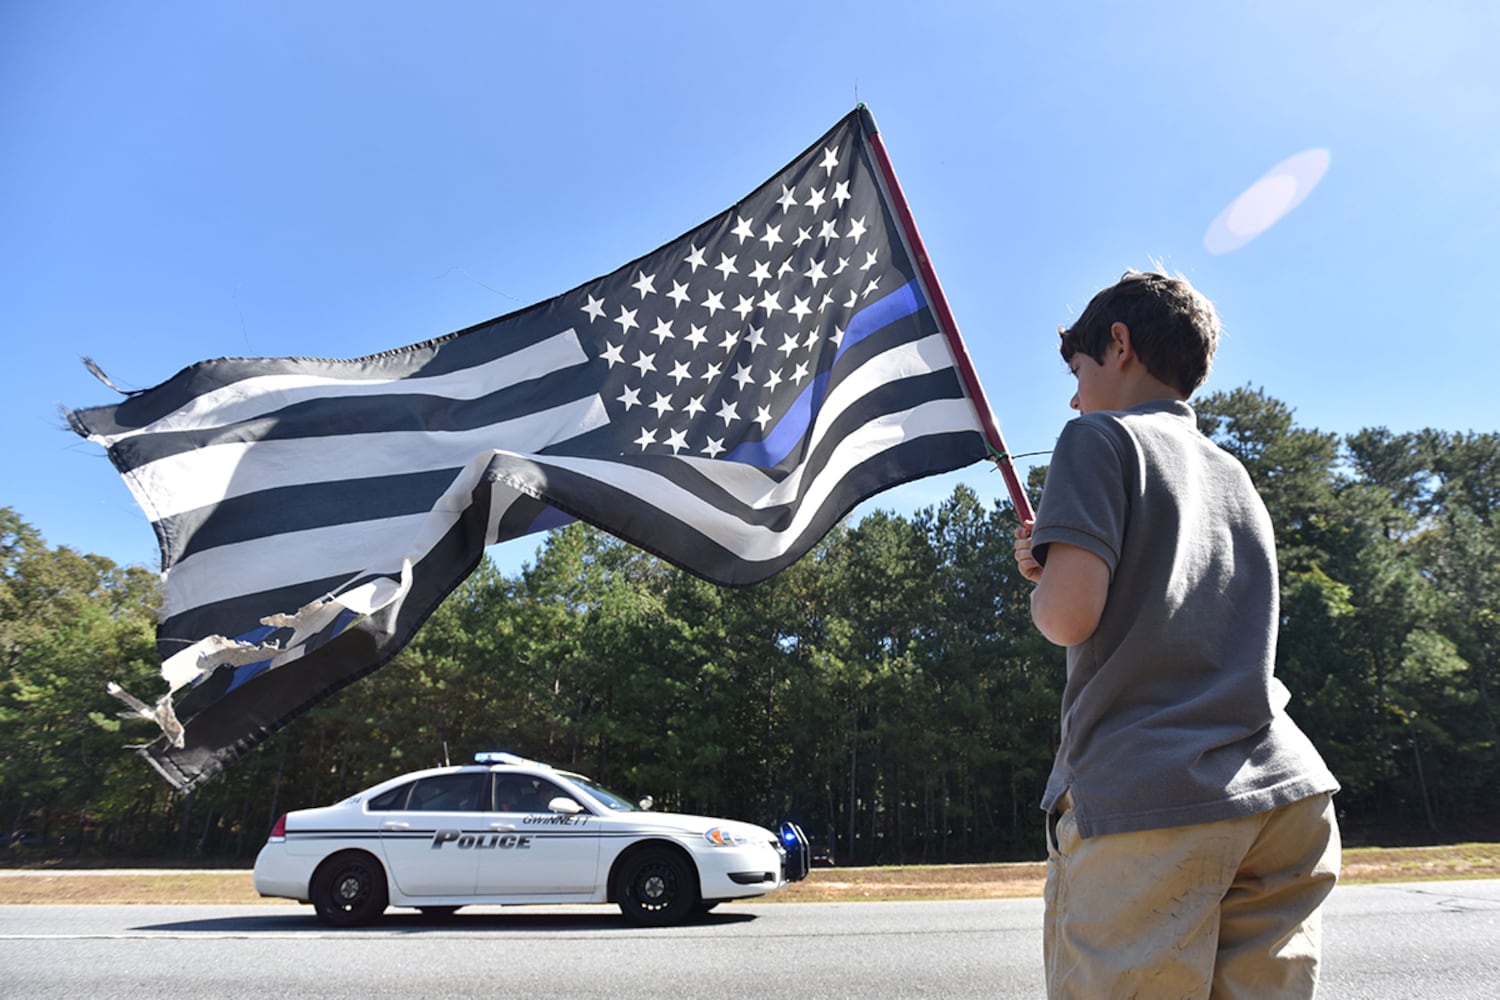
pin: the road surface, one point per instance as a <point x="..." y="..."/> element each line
<point x="1428" y="940"/>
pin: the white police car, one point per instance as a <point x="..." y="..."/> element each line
<point x="509" y="830"/>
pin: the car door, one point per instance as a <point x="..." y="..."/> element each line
<point x="429" y="834"/>
<point x="531" y="850"/>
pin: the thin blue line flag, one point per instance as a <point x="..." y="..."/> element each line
<point x="722" y="402"/>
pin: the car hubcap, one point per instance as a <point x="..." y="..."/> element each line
<point x="349" y="887"/>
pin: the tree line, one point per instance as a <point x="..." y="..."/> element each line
<point x="887" y="692"/>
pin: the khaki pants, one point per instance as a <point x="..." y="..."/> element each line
<point x="1224" y="910"/>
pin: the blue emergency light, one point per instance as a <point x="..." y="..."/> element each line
<point x="798" y="852"/>
<point x="500" y="757"/>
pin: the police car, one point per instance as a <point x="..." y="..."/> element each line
<point x="508" y="830"/>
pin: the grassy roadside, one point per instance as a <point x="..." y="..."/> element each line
<point x="824" y="885"/>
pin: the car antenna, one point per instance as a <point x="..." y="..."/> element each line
<point x="445" y="753"/>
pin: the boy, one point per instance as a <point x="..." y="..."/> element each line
<point x="1191" y="836"/>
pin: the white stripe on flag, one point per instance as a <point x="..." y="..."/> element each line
<point x="263" y="395"/>
<point x="239" y="568"/>
<point x="204" y="476"/>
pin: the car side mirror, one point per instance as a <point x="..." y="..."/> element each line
<point x="566" y="806"/>
<point x="646" y="802"/>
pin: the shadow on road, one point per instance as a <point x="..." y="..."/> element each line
<point x="405" y="922"/>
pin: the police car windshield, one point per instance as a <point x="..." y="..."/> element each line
<point x="610" y="800"/>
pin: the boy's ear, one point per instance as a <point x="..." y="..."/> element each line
<point x="1120" y="334"/>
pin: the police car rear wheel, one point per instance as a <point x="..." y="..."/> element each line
<point x="349" y="890"/>
<point x="657" y="887"/>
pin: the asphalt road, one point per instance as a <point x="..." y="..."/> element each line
<point x="1427" y="940"/>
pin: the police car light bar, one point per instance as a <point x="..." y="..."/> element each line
<point x="498" y="757"/>
<point x="505" y="757"/>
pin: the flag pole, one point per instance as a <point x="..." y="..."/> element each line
<point x="945" y="319"/>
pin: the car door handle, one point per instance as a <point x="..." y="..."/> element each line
<point x="502" y="826"/>
<point x="394" y="825"/>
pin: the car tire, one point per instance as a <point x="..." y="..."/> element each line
<point x="348" y="890"/>
<point x="656" y="887"/>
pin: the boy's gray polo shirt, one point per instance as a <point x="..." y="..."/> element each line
<point x="1170" y="715"/>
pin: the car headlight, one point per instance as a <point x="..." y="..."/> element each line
<point x="721" y="836"/>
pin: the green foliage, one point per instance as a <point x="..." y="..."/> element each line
<point x="887" y="692"/>
<point x="68" y="624"/>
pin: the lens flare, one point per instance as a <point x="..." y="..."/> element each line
<point x="1267" y="201"/>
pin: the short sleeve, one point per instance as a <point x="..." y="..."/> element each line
<point x="1085" y="500"/>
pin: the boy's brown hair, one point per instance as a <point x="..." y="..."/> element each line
<point x="1173" y="328"/>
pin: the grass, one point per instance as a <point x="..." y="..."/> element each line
<point x="825" y="885"/>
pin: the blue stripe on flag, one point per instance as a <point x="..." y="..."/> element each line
<point x="777" y="445"/>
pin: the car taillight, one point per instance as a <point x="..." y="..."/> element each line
<point x="278" y="832"/>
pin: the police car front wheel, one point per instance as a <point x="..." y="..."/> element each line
<point x="657" y="887"/>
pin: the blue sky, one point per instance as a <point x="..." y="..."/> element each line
<point x="183" y="180"/>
